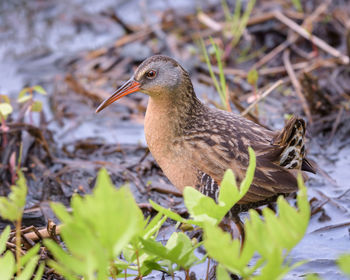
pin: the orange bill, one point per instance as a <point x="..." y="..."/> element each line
<point x="129" y="87"/>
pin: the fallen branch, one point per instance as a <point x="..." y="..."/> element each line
<point x="296" y="84"/>
<point x="262" y="96"/>
<point x="314" y="39"/>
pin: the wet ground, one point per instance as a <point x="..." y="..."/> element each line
<point x="80" y="51"/>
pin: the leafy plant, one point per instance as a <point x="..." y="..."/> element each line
<point x="101" y="225"/>
<point x="236" y="22"/>
<point x="11" y="208"/>
<point x="344" y="264"/>
<point x="220" y="84"/>
<point x="297" y="5"/>
<point x="26" y="96"/>
<point x="5" y="107"/>
<point x="271" y="237"/>
<point x="5" y="110"/>
<point x="178" y="250"/>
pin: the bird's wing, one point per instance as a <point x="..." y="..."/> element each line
<point x="269" y="180"/>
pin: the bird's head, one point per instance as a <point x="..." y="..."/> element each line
<point x="158" y="76"/>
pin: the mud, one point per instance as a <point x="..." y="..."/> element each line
<point x="80" y="51"/>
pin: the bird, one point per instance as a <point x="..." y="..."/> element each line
<point x="195" y="144"/>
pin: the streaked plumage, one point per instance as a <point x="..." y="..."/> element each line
<point x="194" y="144"/>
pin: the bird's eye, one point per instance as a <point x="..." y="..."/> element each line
<point x="151" y="74"/>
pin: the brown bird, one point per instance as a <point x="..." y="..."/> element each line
<point x="195" y="144"/>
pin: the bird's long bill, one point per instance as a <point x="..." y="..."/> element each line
<point x="129" y="87"/>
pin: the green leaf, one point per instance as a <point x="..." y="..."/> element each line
<point x="167" y="212"/>
<point x="252" y="77"/>
<point x="344" y="264"/>
<point x="24" y="98"/>
<point x="11" y="208"/>
<point x="28" y="270"/>
<point x="226" y="251"/>
<point x="100" y="226"/>
<point x="60" y="269"/>
<point x="5" y="110"/>
<point x="7" y="266"/>
<point x="202" y="208"/>
<point x="3" y="238"/>
<point x="66" y="264"/>
<point x="153" y="226"/>
<point x="297" y="5"/>
<point x="37" y="106"/>
<point x="30" y="254"/>
<point x="178" y="250"/>
<point x="274" y="268"/>
<point x="249" y="176"/>
<point x="221" y="273"/>
<point x="61" y="212"/>
<point x="24" y="91"/>
<point x="5" y="98"/>
<point x="40" y="271"/>
<point x="39" y="89"/>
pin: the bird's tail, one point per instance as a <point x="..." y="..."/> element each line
<point x="292" y="139"/>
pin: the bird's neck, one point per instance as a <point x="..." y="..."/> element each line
<point x="173" y="112"/>
<point x="169" y="115"/>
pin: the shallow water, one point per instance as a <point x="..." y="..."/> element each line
<point x="36" y="49"/>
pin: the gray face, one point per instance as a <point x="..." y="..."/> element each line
<point x="159" y="76"/>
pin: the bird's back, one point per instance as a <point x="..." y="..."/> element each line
<point x="219" y="140"/>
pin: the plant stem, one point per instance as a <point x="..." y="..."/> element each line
<point x="208" y="267"/>
<point x="3" y="128"/>
<point x="18" y="245"/>
<point x="113" y="271"/>
<point x="138" y="264"/>
<point x="125" y="273"/>
<point x="187" y="272"/>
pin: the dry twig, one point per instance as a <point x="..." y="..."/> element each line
<point x="314" y="39"/>
<point x="296" y="84"/>
<point x="263" y="95"/>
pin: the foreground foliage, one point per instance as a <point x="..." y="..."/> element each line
<point x="106" y="235"/>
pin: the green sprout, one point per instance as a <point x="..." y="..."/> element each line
<point x="26" y="96"/>
<point x="237" y="23"/>
<point x="5" y="110"/>
<point x="220" y="84"/>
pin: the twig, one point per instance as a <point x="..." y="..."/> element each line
<point x="336" y="124"/>
<point x="209" y="22"/>
<point x="344" y="193"/>
<point x="291" y="39"/>
<point x="331" y="201"/>
<point x="132" y="37"/>
<point x="43" y="233"/>
<point x="296" y="84"/>
<point x="256" y="19"/>
<point x="314" y="39"/>
<point x="331" y="227"/>
<point x="272" y="54"/>
<point x="266" y="93"/>
<point x="264" y="71"/>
